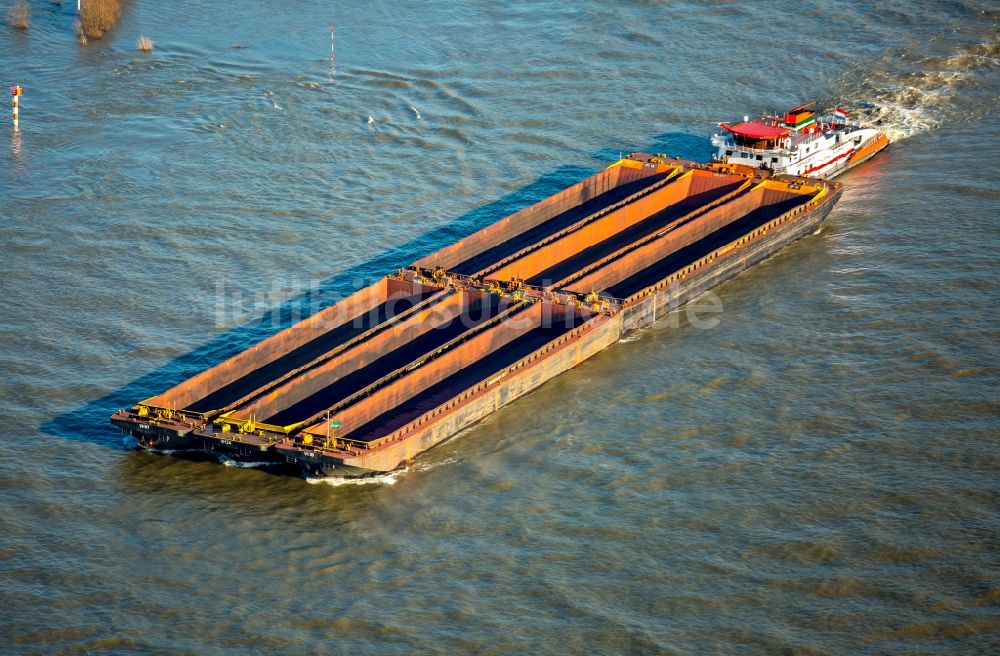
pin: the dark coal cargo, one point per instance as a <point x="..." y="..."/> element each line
<point x="367" y="384"/>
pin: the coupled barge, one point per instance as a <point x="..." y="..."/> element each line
<point x="370" y="382"/>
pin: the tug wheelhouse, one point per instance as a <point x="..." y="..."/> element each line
<point x="799" y="143"/>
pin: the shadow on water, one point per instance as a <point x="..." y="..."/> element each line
<point x="89" y="422"/>
<point x="244" y="490"/>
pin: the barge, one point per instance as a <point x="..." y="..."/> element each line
<point x="368" y="383"/>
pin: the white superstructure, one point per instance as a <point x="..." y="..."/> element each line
<point x="800" y="143"/>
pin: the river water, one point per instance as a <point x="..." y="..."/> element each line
<point x="818" y="474"/>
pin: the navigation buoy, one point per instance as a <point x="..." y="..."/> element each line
<point x="16" y="92"/>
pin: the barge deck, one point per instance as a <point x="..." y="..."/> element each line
<point x="370" y="382"/>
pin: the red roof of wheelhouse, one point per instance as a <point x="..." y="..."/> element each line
<point x="756" y="130"/>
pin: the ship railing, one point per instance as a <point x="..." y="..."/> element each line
<point x="802" y="138"/>
<point x="762" y="151"/>
<point x="798" y="139"/>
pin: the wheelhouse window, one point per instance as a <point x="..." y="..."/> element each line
<point x="750" y="142"/>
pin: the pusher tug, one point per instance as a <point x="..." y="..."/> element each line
<point x="799" y="143"/>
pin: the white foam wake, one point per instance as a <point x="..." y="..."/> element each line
<point x="906" y="93"/>
<point x="389" y="478"/>
<point x="229" y="462"/>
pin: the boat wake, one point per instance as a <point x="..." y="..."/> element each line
<point x="907" y="92"/>
<point x="229" y="462"/>
<point x="389" y="478"/>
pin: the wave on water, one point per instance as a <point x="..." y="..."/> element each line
<point x="908" y="93"/>
<point x="389" y="478"/>
<point x="229" y="462"/>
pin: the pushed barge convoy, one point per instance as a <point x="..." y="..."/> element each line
<point x="368" y="383"/>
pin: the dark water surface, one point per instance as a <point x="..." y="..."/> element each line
<point x="818" y="474"/>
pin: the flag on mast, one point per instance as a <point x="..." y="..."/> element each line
<point x="840" y="112"/>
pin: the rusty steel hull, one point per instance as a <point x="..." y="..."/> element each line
<point x="602" y="192"/>
<point x="782" y="223"/>
<point x="677" y="249"/>
<point x="158" y="433"/>
<point x="169" y="420"/>
<point x="471" y="403"/>
<point x="665" y="297"/>
<point x="466" y="410"/>
<point x="356" y="374"/>
<point x="368" y="362"/>
<point x="369" y="383"/>
<point x="680" y="200"/>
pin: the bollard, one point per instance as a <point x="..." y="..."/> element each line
<point x="16" y="92"/>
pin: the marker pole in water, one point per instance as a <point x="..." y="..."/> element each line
<point x="332" y="57"/>
<point x="16" y="92"/>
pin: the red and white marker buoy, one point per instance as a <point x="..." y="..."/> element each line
<point x="16" y="92"/>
